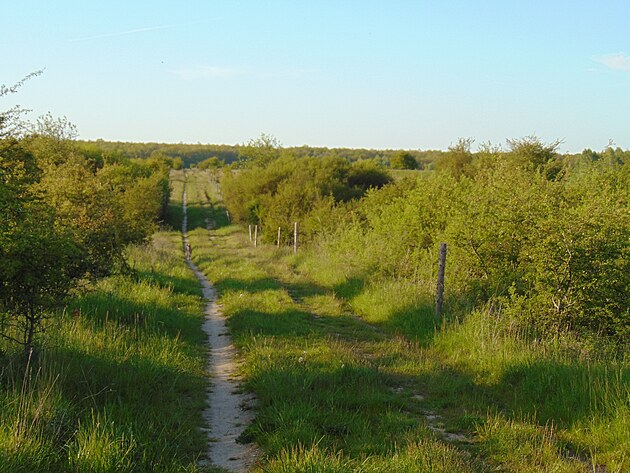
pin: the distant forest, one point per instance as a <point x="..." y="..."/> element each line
<point x="193" y="154"/>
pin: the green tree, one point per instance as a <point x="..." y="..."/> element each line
<point x="260" y="152"/>
<point x="210" y="163"/>
<point x="403" y="160"/>
<point x="457" y="161"/>
<point x="531" y="153"/>
<point x="367" y="174"/>
<point x="40" y="260"/>
<point x="67" y="213"/>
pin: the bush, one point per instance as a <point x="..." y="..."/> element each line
<point x="556" y="246"/>
<point x="293" y="189"/>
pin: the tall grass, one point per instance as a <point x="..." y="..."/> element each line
<point x="323" y="378"/>
<point x="355" y="373"/>
<point x="512" y="392"/>
<point x="119" y="384"/>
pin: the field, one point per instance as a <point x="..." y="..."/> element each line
<point x="403" y="280"/>
<point x="355" y="375"/>
<point x="352" y="372"/>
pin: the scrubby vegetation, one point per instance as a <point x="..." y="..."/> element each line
<point x="354" y="372"/>
<point x="118" y="384"/>
<point x="529" y="364"/>
<point x="67" y="218"/>
<point x="526" y="371"/>
<point x="274" y="189"/>
<point x="542" y="237"/>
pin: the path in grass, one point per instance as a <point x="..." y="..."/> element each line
<point x="225" y="413"/>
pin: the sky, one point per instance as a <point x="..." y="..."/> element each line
<point x="387" y="74"/>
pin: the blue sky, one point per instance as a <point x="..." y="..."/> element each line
<point x="372" y="74"/>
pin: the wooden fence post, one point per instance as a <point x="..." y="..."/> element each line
<point x="279" y="230"/>
<point x="256" y="235"/>
<point x="295" y="237"/>
<point x="250" y="232"/>
<point x="227" y="213"/>
<point x="439" y="297"/>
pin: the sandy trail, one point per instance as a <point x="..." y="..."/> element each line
<point x="228" y="411"/>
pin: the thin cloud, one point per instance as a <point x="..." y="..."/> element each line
<point x="213" y="72"/>
<point x="616" y="62"/>
<point x="206" y="72"/>
<point x="143" y="30"/>
<point x="123" y="33"/>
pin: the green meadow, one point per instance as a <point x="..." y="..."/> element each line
<point x="352" y="372"/>
<point x="357" y="374"/>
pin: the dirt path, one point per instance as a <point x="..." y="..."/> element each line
<point x="228" y="411"/>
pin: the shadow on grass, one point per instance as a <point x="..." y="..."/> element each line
<point x="134" y="383"/>
<point x="206" y="216"/>
<point x="101" y="308"/>
<point x="285" y="324"/>
<point x="416" y="322"/>
<point x="351" y="287"/>
<point x="314" y="402"/>
<point x="542" y="393"/>
<point x="251" y="286"/>
<point x="102" y="394"/>
<point x="564" y="393"/>
<point x="335" y="404"/>
<point x="173" y="217"/>
<point x="179" y="285"/>
<point x="299" y="291"/>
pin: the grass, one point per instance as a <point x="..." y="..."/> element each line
<point x="120" y="381"/>
<point x="356" y="374"/>
<point x="322" y="377"/>
<point x="352" y="373"/>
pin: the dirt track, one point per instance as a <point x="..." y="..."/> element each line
<point x="228" y="411"/>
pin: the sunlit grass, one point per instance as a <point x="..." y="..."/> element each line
<point x="355" y="373"/>
<point x="323" y="378"/>
<point x="480" y="364"/>
<point x="119" y="383"/>
<point x="322" y="374"/>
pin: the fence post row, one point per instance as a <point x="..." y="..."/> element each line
<point x="439" y="296"/>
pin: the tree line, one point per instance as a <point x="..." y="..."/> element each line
<point x="218" y="155"/>
<point x="193" y="155"/>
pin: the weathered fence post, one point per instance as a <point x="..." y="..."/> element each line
<point x="250" y="232"/>
<point x="256" y="235"/>
<point x="439" y="297"/>
<point x="227" y="214"/>
<point x="295" y="237"/>
<point x="279" y="230"/>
